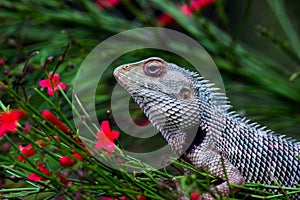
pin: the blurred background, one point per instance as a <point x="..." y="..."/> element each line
<point x="255" y="45"/>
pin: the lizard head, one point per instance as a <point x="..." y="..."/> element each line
<point x="166" y="93"/>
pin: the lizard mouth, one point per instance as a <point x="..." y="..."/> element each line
<point x="117" y="73"/>
<point x="131" y="84"/>
<point x="126" y="81"/>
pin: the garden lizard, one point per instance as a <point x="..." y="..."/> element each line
<point x="229" y="147"/>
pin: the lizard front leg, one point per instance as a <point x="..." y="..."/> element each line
<point x="213" y="163"/>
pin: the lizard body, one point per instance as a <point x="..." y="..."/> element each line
<point x="176" y="100"/>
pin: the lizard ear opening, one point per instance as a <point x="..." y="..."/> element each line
<point x="185" y="94"/>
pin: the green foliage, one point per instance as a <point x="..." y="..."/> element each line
<point x="258" y="85"/>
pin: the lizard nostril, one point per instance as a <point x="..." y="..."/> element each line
<point x="126" y="67"/>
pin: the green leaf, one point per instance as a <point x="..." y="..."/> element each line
<point x="285" y="23"/>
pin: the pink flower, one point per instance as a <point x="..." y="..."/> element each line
<point x="119" y="160"/>
<point x="55" y="137"/>
<point x="34" y="177"/>
<point x="9" y="121"/>
<point x="52" y="83"/>
<point x="106" y="137"/>
<point x="28" y="151"/>
<point x="2" y="62"/>
<point x="186" y="9"/>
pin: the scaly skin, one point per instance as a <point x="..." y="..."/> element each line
<point x="177" y="101"/>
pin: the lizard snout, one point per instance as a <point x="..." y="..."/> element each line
<point x="117" y="72"/>
<point x="121" y="69"/>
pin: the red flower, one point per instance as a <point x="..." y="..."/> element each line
<point x="34" y="177"/>
<point x="5" y="148"/>
<point x="2" y="62"/>
<point x="109" y="198"/>
<point x="56" y="137"/>
<point x="119" y="160"/>
<point x="64" y="180"/>
<point x="9" y="121"/>
<point x="201" y="4"/>
<point x="186" y="9"/>
<point x="194" y="196"/>
<point x="52" y="83"/>
<point x="165" y="19"/>
<point x="42" y="143"/>
<point x="107" y="3"/>
<point x="106" y="137"/>
<point x="79" y="157"/>
<point x="90" y="151"/>
<point x="139" y="197"/>
<point x="55" y="121"/>
<point x="66" y="161"/>
<point x="79" y="142"/>
<point x="27" y="128"/>
<point x="195" y="5"/>
<point x="43" y="169"/>
<point x="28" y="151"/>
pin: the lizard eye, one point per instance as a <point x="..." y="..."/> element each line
<point x="154" y="68"/>
<point x="185" y="93"/>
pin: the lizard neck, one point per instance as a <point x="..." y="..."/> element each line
<point x="213" y="111"/>
<point x="202" y="120"/>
